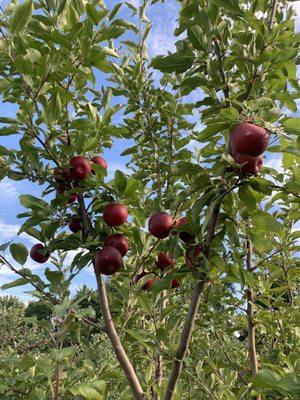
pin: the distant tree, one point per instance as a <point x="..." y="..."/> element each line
<point x="38" y="309"/>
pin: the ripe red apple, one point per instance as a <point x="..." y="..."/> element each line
<point x="148" y="284"/>
<point x="75" y="224"/>
<point x="191" y="253"/>
<point x="160" y="225"/>
<point x="164" y="260"/>
<point x="108" y="261"/>
<point x="248" y="139"/>
<point x="119" y="242"/>
<point x="100" y="161"/>
<point x="253" y="164"/>
<point x="186" y="237"/>
<point x="80" y="168"/>
<point x="115" y="214"/>
<point x="36" y="255"/>
<point x="175" y="284"/>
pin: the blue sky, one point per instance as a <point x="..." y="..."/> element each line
<point x="161" y="40"/>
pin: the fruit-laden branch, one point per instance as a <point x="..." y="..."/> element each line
<point x="109" y="324"/>
<point x="251" y="323"/>
<point x="193" y="309"/>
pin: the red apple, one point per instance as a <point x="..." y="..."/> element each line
<point x="75" y="224"/>
<point x="175" y="284"/>
<point x="72" y="198"/>
<point x="192" y="252"/>
<point x="160" y="225"/>
<point x="164" y="260"/>
<point x="253" y="164"/>
<point x="108" y="261"/>
<point x="36" y="255"/>
<point x="248" y="139"/>
<point x="80" y="168"/>
<point x="119" y="242"/>
<point x="100" y="161"/>
<point x="148" y="284"/>
<point x="115" y="214"/>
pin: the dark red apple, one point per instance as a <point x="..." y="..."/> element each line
<point x="192" y="252"/>
<point x="72" y="198"/>
<point x="164" y="260"/>
<point x="108" y="261"/>
<point x="80" y="168"/>
<point x="36" y="255"/>
<point x="100" y="161"/>
<point x="248" y="139"/>
<point x="119" y="242"/>
<point x="75" y="224"/>
<point x="160" y="225"/>
<point x="148" y="284"/>
<point x="175" y="284"/>
<point x="115" y="214"/>
<point x="253" y="164"/>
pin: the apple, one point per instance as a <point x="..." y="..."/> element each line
<point x="108" y="260"/>
<point x="160" y="225"/>
<point x="191" y="253"/>
<point x="186" y="237"/>
<point x="115" y="214"/>
<point x="36" y="255"/>
<point x="148" y="284"/>
<point x="119" y="242"/>
<point x="75" y="224"/>
<point x="248" y="139"/>
<point x="80" y="168"/>
<point x="253" y="164"/>
<point x="175" y="284"/>
<point x="100" y="161"/>
<point x="164" y="260"/>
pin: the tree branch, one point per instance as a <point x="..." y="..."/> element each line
<point x="251" y="323"/>
<point x="193" y="309"/>
<point x="221" y="68"/>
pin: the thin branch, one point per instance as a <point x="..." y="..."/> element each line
<point x="193" y="308"/>
<point x="44" y="294"/>
<point x="251" y="323"/>
<point x="273" y="14"/>
<point x="145" y="258"/>
<point x="221" y="68"/>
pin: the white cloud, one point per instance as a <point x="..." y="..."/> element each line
<point x="8" y="189"/>
<point x="274" y="162"/>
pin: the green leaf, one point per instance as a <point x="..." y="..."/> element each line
<point x="120" y="182"/>
<point x="197" y="37"/>
<point x="17" y="282"/>
<point x="247" y="198"/>
<point x="29" y="201"/>
<point x="21" y="16"/>
<point x="131" y="186"/>
<point x="292" y="125"/>
<point x="90" y="144"/>
<point x="265" y="221"/>
<point x="54" y="277"/>
<point x="172" y="63"/>
<point x="19" y="252"/>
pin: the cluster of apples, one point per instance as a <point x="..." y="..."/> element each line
<point x="247" y="144"/>
<point x="79" y="168"/>
<point x="160" y="225"/>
